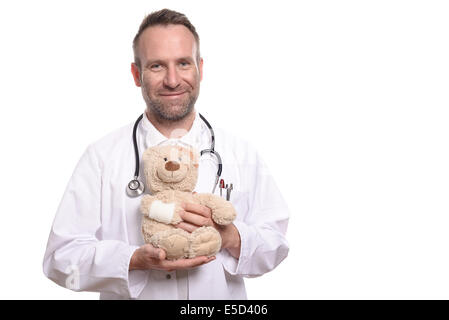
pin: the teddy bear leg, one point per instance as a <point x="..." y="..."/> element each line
<point x="175" y="242"/>
<point x="205" y="241"/>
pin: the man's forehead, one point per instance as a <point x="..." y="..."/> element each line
<point x="158" y="41"/>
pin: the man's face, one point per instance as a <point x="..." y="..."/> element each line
<point x="170" y="72"/>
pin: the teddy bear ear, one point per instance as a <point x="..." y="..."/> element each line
<point x="194" y="157"/>
<point x="148" y="151"/>
<point x="146" y="154"/>
<point x="151" y="153"/>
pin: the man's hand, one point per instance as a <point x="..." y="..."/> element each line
<point x="196" y="215"/>
<point x="149" y="257"/>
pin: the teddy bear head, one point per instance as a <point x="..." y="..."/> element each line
<point x="172" y="165"/>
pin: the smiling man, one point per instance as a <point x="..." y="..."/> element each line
<point x="169" y="69"/>
<point x="95" y="243"/>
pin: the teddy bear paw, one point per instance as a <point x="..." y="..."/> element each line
<point x="224" y="215"/>
<point x="205" y="241"/>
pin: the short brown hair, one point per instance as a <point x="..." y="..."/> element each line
<point x="164" y="17"/>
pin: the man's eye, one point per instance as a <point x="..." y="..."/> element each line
<point x="184" y="64"/>
<point x="155" y="66"/>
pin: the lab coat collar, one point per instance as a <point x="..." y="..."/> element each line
<point x="153" y="137"/>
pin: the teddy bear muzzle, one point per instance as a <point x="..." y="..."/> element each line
<point x="172" y="166"/>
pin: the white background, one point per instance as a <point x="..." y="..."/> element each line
<point x="347" y="101"/>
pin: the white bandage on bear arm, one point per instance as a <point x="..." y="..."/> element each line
<point x="162" y="212"/>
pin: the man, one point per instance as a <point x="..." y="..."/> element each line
<point x="95" y="242"/>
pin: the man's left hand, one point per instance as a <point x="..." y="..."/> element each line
<point x="197" y="215"/>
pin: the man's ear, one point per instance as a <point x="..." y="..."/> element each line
<point x="136" y="74"/>
<point x="201" y="69"/>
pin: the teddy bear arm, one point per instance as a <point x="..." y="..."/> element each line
<point x="158" y="209"/>
<point x="145" y="203"/>
<point x="223" y="212"/>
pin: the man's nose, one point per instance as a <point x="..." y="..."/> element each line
<point x="172" y="79"/>
<point x="172" y="166"/>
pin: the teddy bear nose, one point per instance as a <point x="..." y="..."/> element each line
<point x="172" y="166"/>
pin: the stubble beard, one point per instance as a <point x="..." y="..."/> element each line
<point x="172" y="111"/>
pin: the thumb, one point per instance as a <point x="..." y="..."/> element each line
<point x="153" y="252"/>
<point x="158" y="254"/>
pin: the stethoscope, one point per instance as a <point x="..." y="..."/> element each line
<point x="136" y="187"/>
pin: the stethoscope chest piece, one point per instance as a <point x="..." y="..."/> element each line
<point x="135" y="188"/>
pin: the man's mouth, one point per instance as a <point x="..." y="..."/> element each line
<point x="172" y="94"/>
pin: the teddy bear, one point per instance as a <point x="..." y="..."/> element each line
<point x="171" y="173"/>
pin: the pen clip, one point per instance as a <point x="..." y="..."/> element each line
<point x="228" y="191"/>
<point x="222" y="185"/>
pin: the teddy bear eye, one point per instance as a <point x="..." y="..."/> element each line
<point x="165" y="159"/>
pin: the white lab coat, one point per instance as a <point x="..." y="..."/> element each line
<point x="97" y="226"/>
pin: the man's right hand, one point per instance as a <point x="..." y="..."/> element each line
<point x="149" y="257"/>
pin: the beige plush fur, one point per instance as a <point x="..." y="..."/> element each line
<point x="171" y="172"/>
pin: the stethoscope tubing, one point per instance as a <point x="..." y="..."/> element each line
<point x="136" y="148"/>
<point x="136" y="187"/>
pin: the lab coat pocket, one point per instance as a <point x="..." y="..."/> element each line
<point x="239" y="200"/>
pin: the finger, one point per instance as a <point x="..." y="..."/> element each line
<point x="198" y="209"/>
<point x="186" y="263"/>
<point x="158" y="254"/>
<point x="187" y="226"/>
<point x="196" y="219"/>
